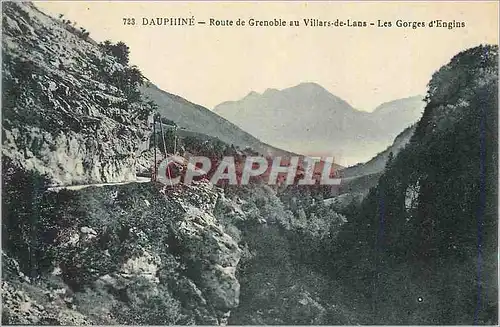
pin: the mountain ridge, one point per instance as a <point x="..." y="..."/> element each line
<point x="386" y="103"/>
<point x="308" y="119"/>
<point x="312" y="86"/>
<point x="318" y="86"/>
<point x="199" y="119"/>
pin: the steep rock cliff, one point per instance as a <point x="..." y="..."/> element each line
<point x="65" y="112"/>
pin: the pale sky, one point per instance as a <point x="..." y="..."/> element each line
<point x="364" y="66"/>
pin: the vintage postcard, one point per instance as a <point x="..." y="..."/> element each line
<point x="250" y="163"/>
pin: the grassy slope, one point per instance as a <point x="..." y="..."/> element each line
<point x="198" y="119"/>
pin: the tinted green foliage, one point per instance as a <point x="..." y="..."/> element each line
<point x="280" y="282"/>
<point x="120" y="51"/>
<point x="37" y="228"/>
<point x="127" y="79"/>
<point x="428" y="230"/>
<point x="22" y="192"/>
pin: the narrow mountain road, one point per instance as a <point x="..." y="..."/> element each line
<point x="82" y="186"/>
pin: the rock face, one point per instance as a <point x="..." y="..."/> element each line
<point x="151" y="258"/>
<point x="203" y="244"/>
<point x="24" y="310"/>
<point x="64" y="115"/>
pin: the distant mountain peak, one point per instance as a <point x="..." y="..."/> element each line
<point x="308" y="118"/>
<point x="252" y="94"/>
<point x="418" y="97"/>
<point x="416" y="102"/>
<point x="309" y="87"/>
<point x="301" y="88"/>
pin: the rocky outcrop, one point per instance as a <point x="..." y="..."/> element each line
<point x="21" y="309"/>
<point x="27" y="303"/>
<point x="63" y="112"/>
<point x="141" y="249"/>
<point x="205" y="247"/>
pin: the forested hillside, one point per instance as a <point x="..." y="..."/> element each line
<point x="422" y="248"/>
<point x="193" y="118"/>
<point x="419" y="248"/>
